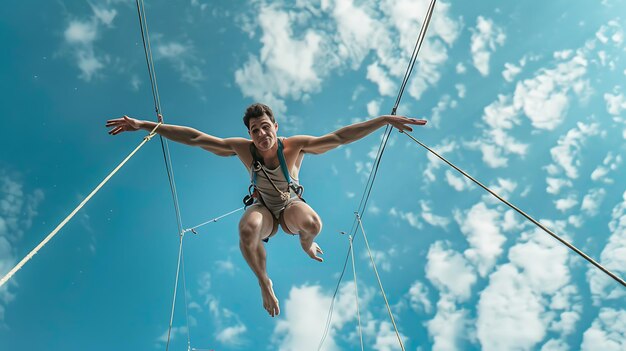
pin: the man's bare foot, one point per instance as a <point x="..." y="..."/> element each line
<point x="270" y="302"/>
<point x="311" y="248"/>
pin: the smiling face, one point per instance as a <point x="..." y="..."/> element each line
<point x="263" y="132"/>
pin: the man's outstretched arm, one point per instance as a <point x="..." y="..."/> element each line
<point x="181" y="134"/>
<point x="351" y="133"/>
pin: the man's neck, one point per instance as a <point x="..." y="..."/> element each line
<point x="270" y="154"/>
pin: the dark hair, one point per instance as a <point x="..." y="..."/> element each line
<point x="257" y="110"/>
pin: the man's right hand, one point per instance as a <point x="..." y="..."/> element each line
<point x="124" y="124"/>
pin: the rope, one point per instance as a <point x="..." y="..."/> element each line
<point x="563" y="241"/>
<point x="332" y="303"/>
<point x="356" y="293"/>
<point x="381" y="149"/>
<point x="380" y="284"/>
<point x="374" y="170"/>
<point x="185" y="297"/>
<point x="193" y="229"/>
<point x="145" y="37"/>
<point x="67" y="219"/>
<point x="180" y="254"/>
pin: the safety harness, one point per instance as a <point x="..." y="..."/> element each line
<point x="257" y="165"/>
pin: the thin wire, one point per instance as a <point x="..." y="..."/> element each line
<point x="332" y="303"/>
<point x="356" y="293"/>
<point x="49" y="237"/>
<point x="380" y="284"/>
<point x="192" y="229"/>
<point x="381" y="149"/>
<point x="169" y="330"/>
<point x="166" y="155"/>
<point x="418" y="45"/>
<point x="374" y="170"/>
<point x="563" y="241"/>
<point x="185" y="296"/>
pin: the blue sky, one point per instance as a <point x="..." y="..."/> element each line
<point x="526" y="96"/>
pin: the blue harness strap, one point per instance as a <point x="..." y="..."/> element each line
<point x="281" y="160"/>
<point x="257" y="166"/>
<point x="283" y="163"/>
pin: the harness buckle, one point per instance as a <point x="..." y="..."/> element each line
<point x="248" y="200"/>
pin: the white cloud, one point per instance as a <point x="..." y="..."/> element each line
<point x="555" y="345"/>
<point x="433" y="219"/>
<point x="299" y="51"/>
<point x="104" y="15"/>
<point x="445" y="103"/>
<point x="449" y="326"/>
<point x="607" y="332"/>
<point x="382" y="258"/>
<point x="460" y="68"/>
<point x="376" y="74"/>
<point x="612" y="257"/>
<point x="592" y="201"/>
<point x="566" y="153"/>
<point x="611" y="33"/>
<point x="17" y="211"/>
<point x="503" y="187"/>
<point x="511" y="70"/>
<point x="485" y="38"/>
<point x="173" y="334"/>
<point x="231" y="335"/>
<point x="373" y="108"/>
<point x="450" y="272"/>
<point x="566" y="203"/>
<point x="544" y="98"/>
<point x="615" y="104"/>
<point x="80" y="36"/>
<point x="515" y="311"/>
<point x="610" y="163"/>
<point x="81" y="32"/>
<point x="411" y="218"/>
<point x="495" y="143"/>
<point x="459" y="183"/>
<point x="501" y="113"/>
<point x="481" y="226"/>
<point x="461" y="90"/>
<point x="434" y="162"/>
<point x="555" y="185"/>
<point x="386" y="338"/>
<point x="226" y="266"/>
<point x="307" y="306"/>
<point x="418" y="297"/>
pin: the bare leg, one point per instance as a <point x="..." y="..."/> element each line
<point x="302" y="219"/>
<point x="257" y="223"/>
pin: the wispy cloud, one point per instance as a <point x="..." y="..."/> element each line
<point x="298" y="53"/>
<point x="486" y="36"/>
<point x="18" y="208"/>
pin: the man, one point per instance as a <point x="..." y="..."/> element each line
<point x="276" y="190"/>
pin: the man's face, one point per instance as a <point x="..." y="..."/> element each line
<point x="263" y="132"/>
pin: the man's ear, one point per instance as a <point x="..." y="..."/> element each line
<point x="276" y="126"/>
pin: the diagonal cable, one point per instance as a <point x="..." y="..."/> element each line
<point x="528" y="217"/>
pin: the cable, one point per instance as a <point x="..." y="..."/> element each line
<point x="145" y="37"/>
<point x="380" y="284"/>
<point x="570" y="246"/>
<point x="193" y="229"/>
<point x="374" y="170"/>
<point x="356" y="293"/>
<point x="49" y="237"/>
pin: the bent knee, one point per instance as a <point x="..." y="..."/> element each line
<point x="312" y="225"/>
<point x="250" y="231"/>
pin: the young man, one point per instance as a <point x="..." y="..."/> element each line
<point x="276" y="199"/>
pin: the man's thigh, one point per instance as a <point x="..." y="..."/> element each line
<point x="296" y="215"/>
<point x="259" y="218"/>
